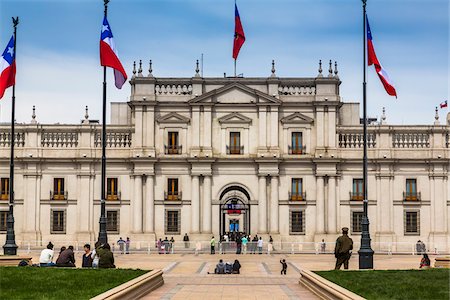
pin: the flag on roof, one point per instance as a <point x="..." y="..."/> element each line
<point x="109" y="56"/>
<point x="239" y="36"/>
<point x="443" y="104"/>
<point x="7" y="67"/>
<point x="373" y="60"/>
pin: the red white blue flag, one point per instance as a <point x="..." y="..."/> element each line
<point x="109" y="56"/>
<point x="443" y="104"/>
<point x="7" y="67"/>
<point x="239" y="36"/>
<point x="373" y="60"/>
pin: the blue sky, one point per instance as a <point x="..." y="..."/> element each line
<point x="59" y="72"/>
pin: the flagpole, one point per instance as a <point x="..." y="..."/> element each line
<point x="102" y="235"/>
<point x="365" y="251"/>
<point x="10" y="247"/>
<point x="234" y="67"/>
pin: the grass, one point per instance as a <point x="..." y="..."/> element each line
<point x="393" y="284"/>
<point x="60" y="283"/>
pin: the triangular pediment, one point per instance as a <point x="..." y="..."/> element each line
<point x="235" y="93"/>
<point x="297" y="118"/>
<point x="173" y="117"/>
<point x="235" y="118"/>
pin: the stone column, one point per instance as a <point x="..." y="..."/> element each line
<point x="207" y="126"/>
<point x="150" y="129"/>
<point x="262" y="126"/>
<point x="331" y="213"/>
<point x="149" y="213"/>
<point x="138" y="127"/>
<point x="274" y="127"/>
<point x="206" y="207"/>
<point x="195" y="133"/>
<point x="195" y="205"/>
<point x="83" y="207"/>
<point x="274" y="205"/>
<point x="320" y="205"/>
<point x="137" y="204"/>
<point x="30" y="205"/>
<point x="262" y="205"/>
<point x="319" y="127"/>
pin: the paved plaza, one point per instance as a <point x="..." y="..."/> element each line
<point x="186" y="275"/>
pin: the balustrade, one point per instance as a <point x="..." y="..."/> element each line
<point x="297" y="90"/>
<point x="173" y="89"/>
<point x="356" y="140"/>
<point x="411" y="140"/>
<point x="59" y="139"/>
<point x="297" y="196"/>
<point x="114" y="139"/>
<point x="5" y="139"/>
<point x="296" y="150"/>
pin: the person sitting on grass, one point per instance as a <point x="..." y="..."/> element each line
<point x="425" y="262"/>
<point x="106" y="257"/>
<point x="87" y="257"/>
<point x="66" y="258"/>
<point x="46" y="258"/>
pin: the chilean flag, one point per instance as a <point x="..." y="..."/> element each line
<point x="443" y="104"/>
<point x="109" y="56"/>
<point x="239" y="36"/>
<point x="7" y="67"/>
<point x="373" y="60"/>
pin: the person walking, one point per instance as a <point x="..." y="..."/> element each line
<point x="213" y="245"/>
<point x="127" y="246"/>
<point x="283" y="266"/>
<point x="323" y="245"/>
<point x="344" y="245"/>
<point x="186" y="241"/>
<point x="260" y="245"/>
<point x="121" y="244"/>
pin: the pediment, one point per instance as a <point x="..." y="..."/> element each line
<point x="235" y="118"/>
<point x="297" y="118"/>
<point x="235" y="93"/>
<point x="173" y="117"/>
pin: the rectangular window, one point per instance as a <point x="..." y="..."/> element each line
<point x="172" y="143"/>
<point x="112" y="221"/>
<point x="5" y="189"/>
<point x="412" y="223"/>
<point x="172" y="189"/>
<point x="296" y="189"/>
<point x="411" y="190"/>
<point x="111" y="189"/>
<point x="296" y="145"/>
<point x="173" y="222"/>
<point x="356" y="221"/>
<point x="58" y="220"/>
<point x="297" y="222"/>
<point x="3" y="219"/>
<point x="58" y="189"/>
<point x="235" y="143"/>
<point x="357" y="192"/>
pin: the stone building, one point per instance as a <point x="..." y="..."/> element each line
<point x="267" y="156"/>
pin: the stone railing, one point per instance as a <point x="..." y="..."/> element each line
<point x="114" y="139"/>
<point x="58" y="139"/>
<point x="5" y="139"/>
<point x="356" y="140"/>
<point x="173" y="89"/>
<point x="297" y="90"/>
<point x="411" y="140"/>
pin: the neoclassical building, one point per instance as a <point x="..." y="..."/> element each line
<point x="268" y="156"/>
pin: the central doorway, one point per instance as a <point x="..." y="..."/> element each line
<point x="234" y="217"/>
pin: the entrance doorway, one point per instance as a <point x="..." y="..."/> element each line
<point x="234" y="218"/>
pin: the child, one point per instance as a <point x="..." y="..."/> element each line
<point x="284" y="264"/>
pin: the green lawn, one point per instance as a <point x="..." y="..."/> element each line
<point x="57" y="283"/>
<point x="394" y="284"/>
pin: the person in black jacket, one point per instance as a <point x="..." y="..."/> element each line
<point x="236" y="267"/>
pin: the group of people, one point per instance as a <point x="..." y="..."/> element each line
<point x="100" y="257"/>
<point x="166" y="246"/>
<point x="228" y="268"/>
<point x="124" y="246"/>
<point x="244" y="243"/>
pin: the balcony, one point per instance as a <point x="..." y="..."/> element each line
<point x="235" y="149"/>
<point x="408" y="196"/>
<point x="296" y="150"/>
<point x="172" y="196"/>
<point x="59" y="196"/>
<point x="171" y="150"/>
<point x="356" y="196"/>
<point x="296" y="196"/>
<point x="4" y="197"/>
<point x="113" y="197"/>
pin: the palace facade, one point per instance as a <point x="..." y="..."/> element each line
<point x="267" y="156"/>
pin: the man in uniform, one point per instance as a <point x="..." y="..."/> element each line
<point x="342" y="250"/>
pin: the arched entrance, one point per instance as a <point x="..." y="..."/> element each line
<point x="234" y="212"/>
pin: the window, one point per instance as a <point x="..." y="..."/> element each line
<point x="58" y="189"/>
<point x="111" y="189"/>
<point x="112" y="221"/>
<point x="356" y="221"/>
<point x="296" y="143"/>
<point x="297" y="222"/>
<point x="235" y="143"/>
<point x="411" y="190"/>
<point x="357" y="192"/>
<point x="172" y="143"/>
<point x="58" y="221"/>
<point x="5" y="189"/>
<point x="3" y="219"/>
<point x="172" y="189"/>
<point x="173" y="222"/>
<point x="412" y="223"/>
<point x="296" y="189"/>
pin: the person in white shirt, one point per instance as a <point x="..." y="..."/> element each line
<point x="260" y="245"/>
<point x="46" y="258"/>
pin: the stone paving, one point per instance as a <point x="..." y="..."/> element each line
<point x="186" y="275"/>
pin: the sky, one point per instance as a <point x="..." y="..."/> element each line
<point x="58" y="53"/>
